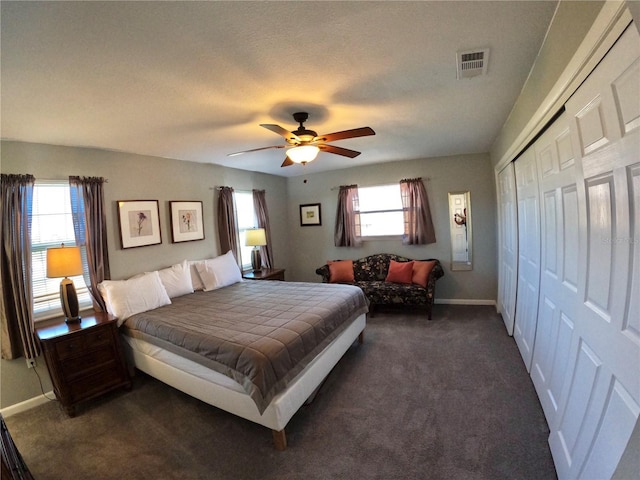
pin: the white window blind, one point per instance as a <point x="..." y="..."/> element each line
<point x="381" y="212"/>
<point x="51" y="225"/>
<point x="246" y="219"/>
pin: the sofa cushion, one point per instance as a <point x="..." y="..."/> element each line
<point x="400" y="272"/>
<point x="380" y="292"/>
<point x="421" y="271"/>
<point x="341" y="271"/>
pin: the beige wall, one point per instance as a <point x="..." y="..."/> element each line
<point x="570" y="24"/>
<point x="312" y="246"/>
<point x="137" y="177"/>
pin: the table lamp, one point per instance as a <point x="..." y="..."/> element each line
<point x="256" y="238"/>
<point x="66" y="262"/>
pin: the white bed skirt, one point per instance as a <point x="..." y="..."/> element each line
<point x="222" y="392"/>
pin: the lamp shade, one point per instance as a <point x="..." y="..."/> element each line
<point x="64" y="262"/>
<point x="303" y="153"/>
<point x="256" y="237"/>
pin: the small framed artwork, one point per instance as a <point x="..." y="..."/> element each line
<point x="139" y="223"/>
<point x="186" y="221"/>
<point x="310" y="215"/>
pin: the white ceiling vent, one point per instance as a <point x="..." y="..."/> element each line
<point x="471" y="63"/>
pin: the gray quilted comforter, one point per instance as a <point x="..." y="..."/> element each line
<point x="260" y="333"/>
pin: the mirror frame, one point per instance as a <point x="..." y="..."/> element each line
<point x="455" y="264"/>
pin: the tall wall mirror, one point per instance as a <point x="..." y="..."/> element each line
<point x="460" y="228"/>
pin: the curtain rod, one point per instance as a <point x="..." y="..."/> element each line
<point x="218" y="187"/>
<point x="337" y="187"/>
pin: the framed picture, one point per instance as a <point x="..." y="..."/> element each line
<point x="186" y="221"/>
<point x="310" y="215"/>
<point x="139" y="223"/>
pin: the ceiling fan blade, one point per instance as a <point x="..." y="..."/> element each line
<point x="287" y="162"/>
<point x="353" y="133"/>
<point x="290" y="136"/>
<point x="345" y="152"/>
<point x="254" y="150"/>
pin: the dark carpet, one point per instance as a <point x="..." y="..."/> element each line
<point x="446" y="399"/>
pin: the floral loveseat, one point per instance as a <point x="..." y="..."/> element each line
<point x="373" y="275"/>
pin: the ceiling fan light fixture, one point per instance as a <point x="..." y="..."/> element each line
<point x="303" y="153"/>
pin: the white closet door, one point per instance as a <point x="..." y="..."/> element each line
<point x="524" y="331"/>
<point x="508" y="222"/>
<point x="559" y="263"/>
<point x="600" y="401"/>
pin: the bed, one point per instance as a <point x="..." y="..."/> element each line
<point x="256" y="349"/>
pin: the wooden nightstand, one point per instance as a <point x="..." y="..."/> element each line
<point x="84" y="359"/>
<point x="265" y="274"/>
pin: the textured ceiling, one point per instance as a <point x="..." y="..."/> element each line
<point x="193" y="80"/>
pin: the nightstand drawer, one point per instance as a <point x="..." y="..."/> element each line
<point x="70" y="346"/>
<point x="98" y="338"/>
<point x="77" y="365"/>
<point x="91" y="385"/>
<point x="81" y="342"/>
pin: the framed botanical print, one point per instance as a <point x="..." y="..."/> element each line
<point x="139" y="223"/>
<point x="310" y="215"/>
<point x="186" y="221"/>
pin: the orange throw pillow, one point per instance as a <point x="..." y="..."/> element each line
<point x="340" y="271"/>
<point x="400" y="272"/>
<point x="421" y="272"/>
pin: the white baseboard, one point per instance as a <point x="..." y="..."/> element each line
<point x="27" y="404"/>
<point x="464" y="301"/>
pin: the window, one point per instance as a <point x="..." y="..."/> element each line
<point x="51" y="225"/>
<point x="246" y="219"/>
<point x="380" y="212"/>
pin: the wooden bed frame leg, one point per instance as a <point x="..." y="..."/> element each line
<point x="279" y="440"/>
<point x="361" y="337"/>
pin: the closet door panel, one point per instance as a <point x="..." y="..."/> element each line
<point x="557" y="374"/>
<point x="508" y="249"/>
<point x="600" y="401"/>
<point x="559" y="277"/>
<point x="571" y="237"/>
<point x="619" y="416"/>
<point x="601" y="227"/>
<point x="631" y="324"/>
<point x="527" y="296"/>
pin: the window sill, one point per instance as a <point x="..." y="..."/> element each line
<point x="51" y="315"/>
<point x="381" y="237"/>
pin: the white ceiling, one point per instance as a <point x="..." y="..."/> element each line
<point x="193" y="80"/>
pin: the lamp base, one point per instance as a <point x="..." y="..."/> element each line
<point x="256" y="260"/>
<point x="69" y="300"/>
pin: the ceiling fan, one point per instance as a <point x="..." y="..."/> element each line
<point x="304" y="144"/>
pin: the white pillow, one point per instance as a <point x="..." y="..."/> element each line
<point x="139" y="294"/>
<point x="219" y="272"/>
<point x="196" y="282"/>
<point x="176" y="279"/>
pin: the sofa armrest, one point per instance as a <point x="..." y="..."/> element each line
<point x="323" y="271"/>
<point x="435" y="274"/>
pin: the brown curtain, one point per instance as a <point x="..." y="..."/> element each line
<point x="262" y="215"/>
<point x="227" y="225"/>
<point x="90" y="228"/>
<point x="16" y="304"/>
<point x="418" y="226"/>
<point x="347" y="231"/>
